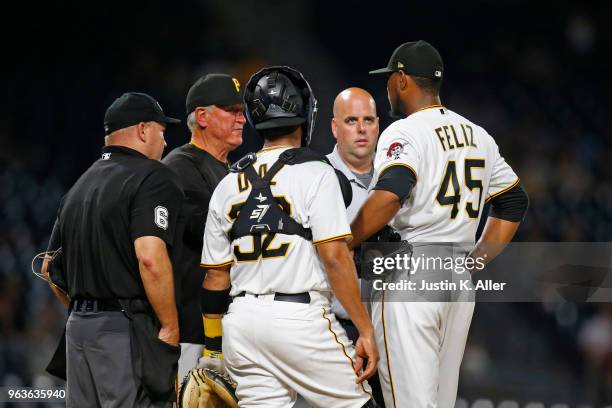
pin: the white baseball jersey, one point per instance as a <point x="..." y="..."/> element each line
<point x="289" y="263"/>
<point x="458" y="167"/>
<point x="276" y="349"/>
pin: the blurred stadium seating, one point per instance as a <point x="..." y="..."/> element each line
<point x="533" y="75"/>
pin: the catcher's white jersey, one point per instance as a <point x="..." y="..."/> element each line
<point x="289" y="263"/>
<point x="458" y="167"/>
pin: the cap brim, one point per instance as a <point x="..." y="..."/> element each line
<point x="171" y="121"/>
<point x="235" y="99"/>
<point x="279" y="122"/>
<point x="380" y="71"/>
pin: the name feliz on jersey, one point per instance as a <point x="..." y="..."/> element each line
<point x="396" y="149"/>
<point x="450" y="195"/>
<point x="446" y="142"/>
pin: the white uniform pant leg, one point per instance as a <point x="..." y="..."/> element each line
<point x="383" y="364"/>
<point x="453" y="345"/>
<point x="409" y="336"/>
<point x="256" y="385"/>
<point x="190" y="354"/>
<point x="274" y="349"/>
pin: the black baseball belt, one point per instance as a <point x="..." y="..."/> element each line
<point x="95" y="305"/>
<point x="303" y="297"/>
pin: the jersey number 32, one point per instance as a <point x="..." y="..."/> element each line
<point x="261" y="242"/>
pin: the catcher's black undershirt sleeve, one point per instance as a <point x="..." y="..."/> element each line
<point x="397" y="179"/>
<point x="511" y="205"/>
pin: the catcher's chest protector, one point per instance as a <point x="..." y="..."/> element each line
<point x="262" y="213"/>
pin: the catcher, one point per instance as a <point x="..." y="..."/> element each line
<point x="277" y="229"/>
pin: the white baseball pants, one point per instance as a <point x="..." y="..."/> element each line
<point x="275" y="349"/>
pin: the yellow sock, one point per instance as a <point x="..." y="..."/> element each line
<point x="212" y="338"/>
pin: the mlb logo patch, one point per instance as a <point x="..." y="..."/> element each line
<point x="438" y="74"/>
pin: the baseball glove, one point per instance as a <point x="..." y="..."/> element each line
<point x="206" y="388"/>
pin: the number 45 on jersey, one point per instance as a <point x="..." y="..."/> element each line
<point x="449" y="193"/>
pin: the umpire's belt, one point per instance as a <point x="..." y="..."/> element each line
<point x="303" y="297"/>
<point x="95" y="305"/>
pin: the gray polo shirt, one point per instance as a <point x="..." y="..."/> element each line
<point x="360" y="191"/>
<point x="360" y="194"/>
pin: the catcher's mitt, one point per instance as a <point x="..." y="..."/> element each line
<point x="206" y="388"/>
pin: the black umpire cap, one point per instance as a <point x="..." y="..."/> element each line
<point x="132" y="108"/>
<point x="213" y="89"/>
<point x="418" y="58"/>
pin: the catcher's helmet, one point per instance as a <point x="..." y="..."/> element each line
<point x="278" y="97"/>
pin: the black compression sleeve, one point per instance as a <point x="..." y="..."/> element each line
<point x="397" y="179"/>
<point x="215" y="301"/>
<point x="511" y="205"/>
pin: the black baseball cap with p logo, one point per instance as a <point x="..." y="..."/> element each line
<point x="418" y="58"/>
<point x="213" y="89"/>
<point x="132" y="108"/>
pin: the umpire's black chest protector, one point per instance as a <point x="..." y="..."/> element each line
<point x="262" y="213"/>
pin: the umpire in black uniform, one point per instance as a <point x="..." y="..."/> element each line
<point x="116" y="229"/>
<point x="215" y="118"/>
